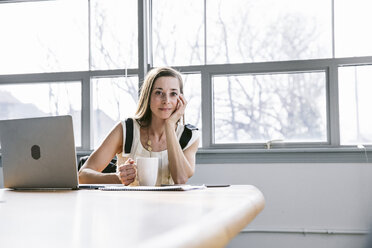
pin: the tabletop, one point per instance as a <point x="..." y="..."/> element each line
<point x="93" y="218"/>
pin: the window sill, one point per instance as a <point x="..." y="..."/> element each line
<point x="284" y="155"/>
<point x="278" y="155"/>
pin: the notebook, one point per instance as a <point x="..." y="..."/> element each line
<point x="39" y="153"/>
<point x="183" y="187"/>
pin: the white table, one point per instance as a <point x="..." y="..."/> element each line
<point x="94" y="218"/>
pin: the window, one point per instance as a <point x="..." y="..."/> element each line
<point x="114" y="99"/>
<point x="260" y="93"/>
<point x="241" y="31"/>
<point x="355" y="100"/>
<point x="42" y="99"/>
<point x="177" y="32"/>
<point x="192" y="93"/>
<point x="258" y="108"/>
<point x="352" y="20"/>
<point x="43" y="36"/>
<point x="254" y="71"/>
<point x="57" y="42"/>
<point x="114" y="34"/>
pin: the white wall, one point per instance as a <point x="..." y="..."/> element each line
<point x="1" y="178"/>
<point x="310" y="197"/>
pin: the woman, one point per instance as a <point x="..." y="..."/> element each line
<point x="156" y="133"/>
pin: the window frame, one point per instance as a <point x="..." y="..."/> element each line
<point x="330" y="151"/>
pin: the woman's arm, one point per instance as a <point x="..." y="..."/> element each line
<point x="90" y="172"/>
<point x="181" y="163"/>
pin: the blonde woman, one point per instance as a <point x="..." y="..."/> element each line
<point x="156" y="133"/>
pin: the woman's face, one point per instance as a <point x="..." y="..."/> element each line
<point x="164" y="95"/>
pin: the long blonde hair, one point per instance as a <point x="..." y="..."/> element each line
<point x="143" y="112"/>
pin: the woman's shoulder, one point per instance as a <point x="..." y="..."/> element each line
<point x="130" y="123"/>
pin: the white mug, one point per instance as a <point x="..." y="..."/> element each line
<point x="147" y="171"/>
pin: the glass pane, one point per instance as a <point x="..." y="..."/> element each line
<point x="43" y="36"/>
<point x="352" y="28"/>
<point x="258" y="108"/>
<point x="177" y="32"/>
<point x="114" y="99"/>
<point x="42" y="99"/>
<point x="192" y="92"/>
<point x="114" y="34"/>
<point x="268" y="30"/>
<point x="355" y="87"/>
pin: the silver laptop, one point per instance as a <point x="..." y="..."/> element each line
<point x="39" y="153"/>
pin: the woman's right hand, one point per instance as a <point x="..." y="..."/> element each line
<point x="127" y="172"/>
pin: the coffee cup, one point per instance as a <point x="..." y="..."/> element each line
<point x="147" y="171"/>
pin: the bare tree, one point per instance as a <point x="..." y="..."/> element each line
<point x="107" y="59"/>
<point x="298" y="117"/>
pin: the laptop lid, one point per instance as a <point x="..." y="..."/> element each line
<point x="38" y="153"/>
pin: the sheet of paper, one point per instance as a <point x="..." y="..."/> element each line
<point x="153" y="188"/>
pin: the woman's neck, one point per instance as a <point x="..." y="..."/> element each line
<point x="157" y="128"/>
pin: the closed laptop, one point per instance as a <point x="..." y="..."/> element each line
<point x="39" y="153"/>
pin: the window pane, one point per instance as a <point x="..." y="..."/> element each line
<point x="43" y="36"/>
<point x="177" y="32"/>
<point x="259" y="108"/>
<point x="352" y="28"/>
<point x="192" y="92"/>
<point x="114" y="34"/>
<point x="42" y="99"/>
<point x="355" y="104"/>
<point x="114" y="99"/>
<point x="268" y="30"/>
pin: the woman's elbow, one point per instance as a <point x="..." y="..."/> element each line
<point x="82" y="175"/>
<point x="183" y="179"/>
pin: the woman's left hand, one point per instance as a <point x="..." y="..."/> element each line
<point x="179" y="111"/>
